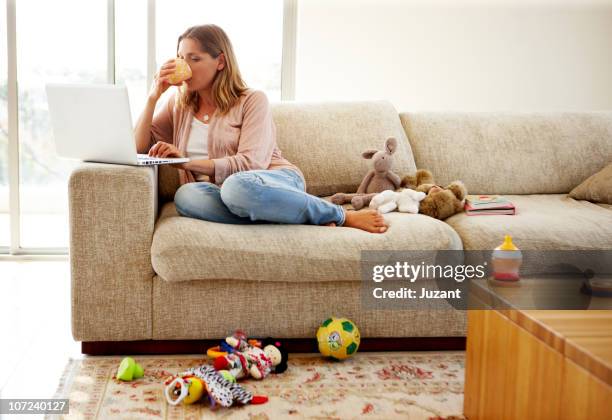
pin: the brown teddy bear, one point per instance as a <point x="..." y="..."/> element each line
<point x="440" y="203"/>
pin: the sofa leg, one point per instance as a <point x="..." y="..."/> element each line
<point x="293" y="345"/>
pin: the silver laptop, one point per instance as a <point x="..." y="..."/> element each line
<point x="93" y="123"/>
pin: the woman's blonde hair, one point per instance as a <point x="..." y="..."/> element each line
<point x="227" y="84"/>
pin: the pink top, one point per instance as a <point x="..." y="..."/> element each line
<point x="242" y="140"/>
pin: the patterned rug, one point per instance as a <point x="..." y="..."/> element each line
<point x="407" y="385"/>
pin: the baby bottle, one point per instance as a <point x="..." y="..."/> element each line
<point x="506" y="261"/>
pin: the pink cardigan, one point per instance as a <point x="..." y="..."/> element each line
<point x="241" y="140"/>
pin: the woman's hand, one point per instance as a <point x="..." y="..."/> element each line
<point x="160" y="84"/>
<point x="162" y="149"/>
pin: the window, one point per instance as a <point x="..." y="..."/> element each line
<point x="4" y="191"/>
<point x="52" y="46"/>
<point x="131" y="51"/>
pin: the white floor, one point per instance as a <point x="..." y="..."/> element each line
<point x="35" y="342"/>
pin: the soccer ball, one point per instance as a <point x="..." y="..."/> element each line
<point x="338" y="338"/>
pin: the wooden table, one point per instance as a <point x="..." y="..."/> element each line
<point x="539" y="364"/>
<point x="533" y="293"/>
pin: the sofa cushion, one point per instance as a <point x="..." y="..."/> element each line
<point x="325" y="141"/>
<point x="596" y="188"/>
<point x="511" y="153"/>
<point x="542" y="222"/>
<point x="190" y="249"/>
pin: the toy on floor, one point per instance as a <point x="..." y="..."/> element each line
<point x="129" y="369"/>
<point x="227" y="375"/>
<point x="237" y="341"/>
<point x="506" y="261"/>
<point x="379" y="179"/>
<point x="191" y="385"/>
<point x="279" y="355"/>
<point x="405" y="201"/>
<point x="439" y="203"/>
<point x="246" y="358"/>
<point x="338" y="338"/>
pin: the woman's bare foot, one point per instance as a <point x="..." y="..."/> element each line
<point x="332" y="224"/>
<point x="368" y="220"/>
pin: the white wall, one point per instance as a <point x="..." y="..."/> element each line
<point x="457" y="55"/>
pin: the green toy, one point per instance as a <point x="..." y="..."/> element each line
<point x="129" y="369"/>
<point x="228" y="376"/>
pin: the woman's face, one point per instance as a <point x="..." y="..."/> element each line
<point x="203" y="67"/>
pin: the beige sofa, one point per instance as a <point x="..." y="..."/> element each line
<point x="141" y="272"/>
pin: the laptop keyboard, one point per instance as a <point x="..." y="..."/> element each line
<point x="144" y="158"/>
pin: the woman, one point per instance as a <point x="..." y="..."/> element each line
<point x="227" y="131"/>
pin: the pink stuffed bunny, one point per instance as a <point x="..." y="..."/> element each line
<point x="377" y="180"/>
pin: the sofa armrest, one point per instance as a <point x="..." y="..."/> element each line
<point x="112" y="216"/>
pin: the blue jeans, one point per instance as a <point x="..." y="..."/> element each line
<point x="258" y="196"/>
